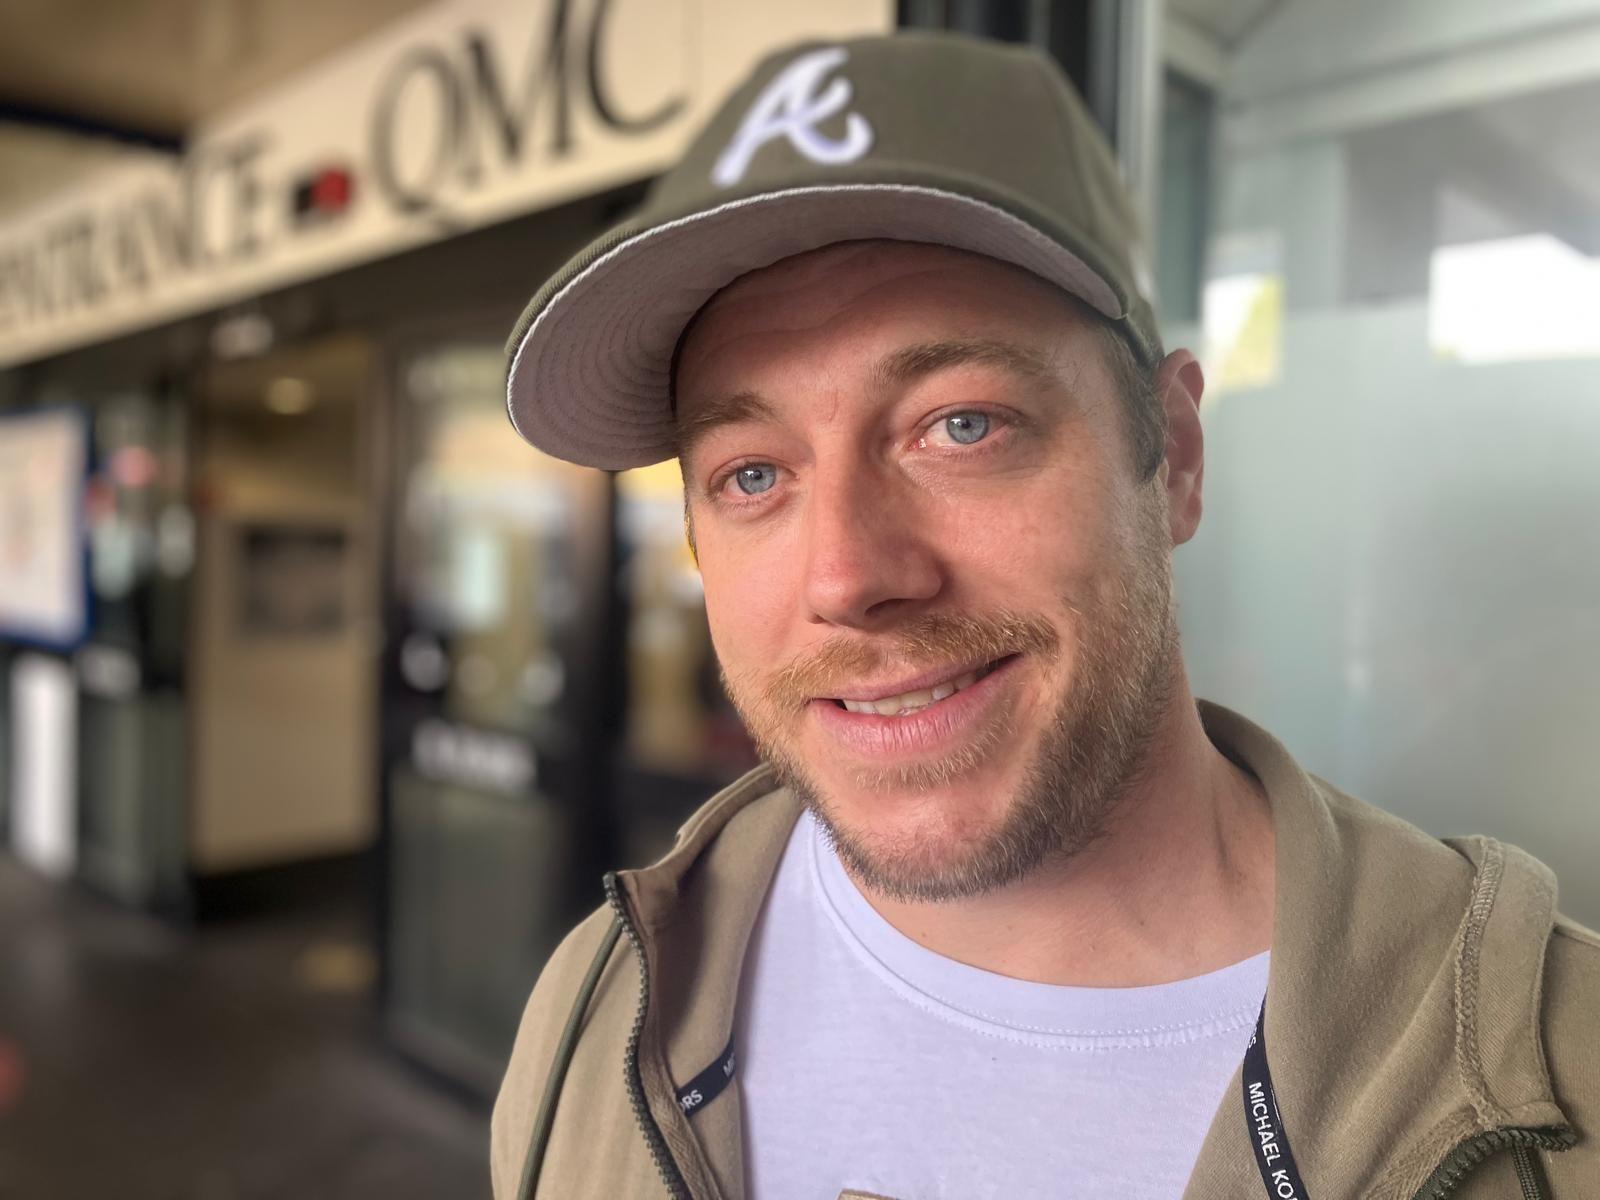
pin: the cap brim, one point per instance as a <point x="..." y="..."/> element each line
<point x="589" y="377"/>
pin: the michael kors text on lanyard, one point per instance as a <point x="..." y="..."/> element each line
<point x="1268" y="1137"/>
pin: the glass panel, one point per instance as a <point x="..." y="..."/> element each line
<point x="1186" y="122"/>
<point x="463" y="863"/>
<point x="6" y="753"/>
<point x="487" y="549"/>
<point x="141" y="530"/>
<point x="494" y="811"/>
<point x="1397" y="568"/>
<point x="133" y="784"/>
<point x="133" y="741"/>
<point x="679" y="720"/>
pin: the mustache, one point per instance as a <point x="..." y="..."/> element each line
<point x="927" y="641"/>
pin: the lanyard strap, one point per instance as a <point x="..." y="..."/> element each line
<point x="708" y="1085"/>
<point x="1268" y="1137"/>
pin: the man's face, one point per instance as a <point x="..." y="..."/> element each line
<point x="938" y="591"/>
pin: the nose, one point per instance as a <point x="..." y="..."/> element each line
<point x="869" y="557"/>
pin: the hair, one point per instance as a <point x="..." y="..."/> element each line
<point x="1144" y="417"/>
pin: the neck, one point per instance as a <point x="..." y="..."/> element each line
<point x="1180" y="884"/>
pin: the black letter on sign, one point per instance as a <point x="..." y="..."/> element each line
<point x="550" y="74"/>
<point x="597" y="95"/>
<point x="82" y="281"/>
<point x="169" y="219"/>
<point x="11" y="285"/>
<point x="424" y="61"/>
<point x="239" y="159"/>
<point x="132" y="267"/>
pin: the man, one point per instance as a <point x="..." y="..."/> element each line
<point x="1008" y="913"/>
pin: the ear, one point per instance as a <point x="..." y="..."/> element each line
<point x="1179" y="385"/>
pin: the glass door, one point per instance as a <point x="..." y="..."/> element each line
<point x="133" y="745"/>
<point x="493" y="709"/>
<point x="681" y="740"/>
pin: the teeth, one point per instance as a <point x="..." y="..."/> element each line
<point x="894" y="706"/>
<point x="899" y="704"/>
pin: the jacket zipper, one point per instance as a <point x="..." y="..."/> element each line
<point x="1454" y="1169"/>
<point x="1527" y="1173"/>
<point x="671" y="1176"/>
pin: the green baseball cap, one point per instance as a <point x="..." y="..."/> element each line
<point x="917" y="137"/>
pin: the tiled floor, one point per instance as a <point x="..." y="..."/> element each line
<point x="240" y="1062"/>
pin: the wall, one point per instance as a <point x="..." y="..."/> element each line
<point x="284" y="724"/>
<point x="1396" y="572"/>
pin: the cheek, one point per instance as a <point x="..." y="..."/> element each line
<point x="1029" y="547"/>
<point x="745" y="599"/>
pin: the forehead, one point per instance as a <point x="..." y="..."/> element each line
<point x="861" y="300"/>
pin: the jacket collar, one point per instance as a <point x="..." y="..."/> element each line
<point x="1402" y="1013"/>
<point x="694" y="911"/>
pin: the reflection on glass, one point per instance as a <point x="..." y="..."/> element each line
<point x="1186" y="122"/>
<point x="133" y="738"/>
<point x="1243" y="330"/>
<point x="494" y="542"/>
<point x="679" y="719"/>
<point x="1396" y="567"/>
<point x="139" y="523"/>
<point x="487" y="553"/>
<point x="1526" y="297"/>
<point x="477" y="900"/>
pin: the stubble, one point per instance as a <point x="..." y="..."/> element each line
<point x="1089" y="752"/>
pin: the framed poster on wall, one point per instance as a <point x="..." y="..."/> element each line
<point x="44" y="461"/>
<point x="292" y="579"/>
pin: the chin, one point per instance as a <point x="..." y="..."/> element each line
<point x="915" y="841"/>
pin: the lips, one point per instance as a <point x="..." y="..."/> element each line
<point x="919" y="730"/>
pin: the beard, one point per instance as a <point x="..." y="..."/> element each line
<point x="1089" y="752"/>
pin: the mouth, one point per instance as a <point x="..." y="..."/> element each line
<point x="920" y="694"/>
<point x="921" y="718"/>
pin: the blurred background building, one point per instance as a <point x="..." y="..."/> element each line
<point x="316" y="682"/>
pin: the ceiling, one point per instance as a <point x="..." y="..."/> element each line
<point x="1226" y="22"/>
<point x="83" y="78"/>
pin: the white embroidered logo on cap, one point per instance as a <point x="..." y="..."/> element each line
<point x="792" y="107"/>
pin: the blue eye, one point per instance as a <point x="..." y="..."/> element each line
<point x="967" y="428"/>
<point x="755" y="479"/>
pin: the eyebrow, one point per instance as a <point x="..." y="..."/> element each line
<point x="739" y="408"/>
<point x="911" y="363"/>
<point x="898" y="369"/>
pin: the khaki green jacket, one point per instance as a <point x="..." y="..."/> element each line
<point x="1433" y="1026"/>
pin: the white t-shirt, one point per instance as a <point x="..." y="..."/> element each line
<point x="869" y="1062"/>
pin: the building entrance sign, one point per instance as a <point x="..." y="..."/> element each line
<point x="467" y="113"/>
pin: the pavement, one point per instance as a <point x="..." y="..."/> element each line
<point x="238" y="1061"/>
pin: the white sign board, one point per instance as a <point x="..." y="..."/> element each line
<point x="464" y="113"/>
<point x="44" y="792"/>
<point x="43" y="466"/>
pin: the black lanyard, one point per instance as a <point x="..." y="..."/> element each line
<point x="1267" y="1135"/>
